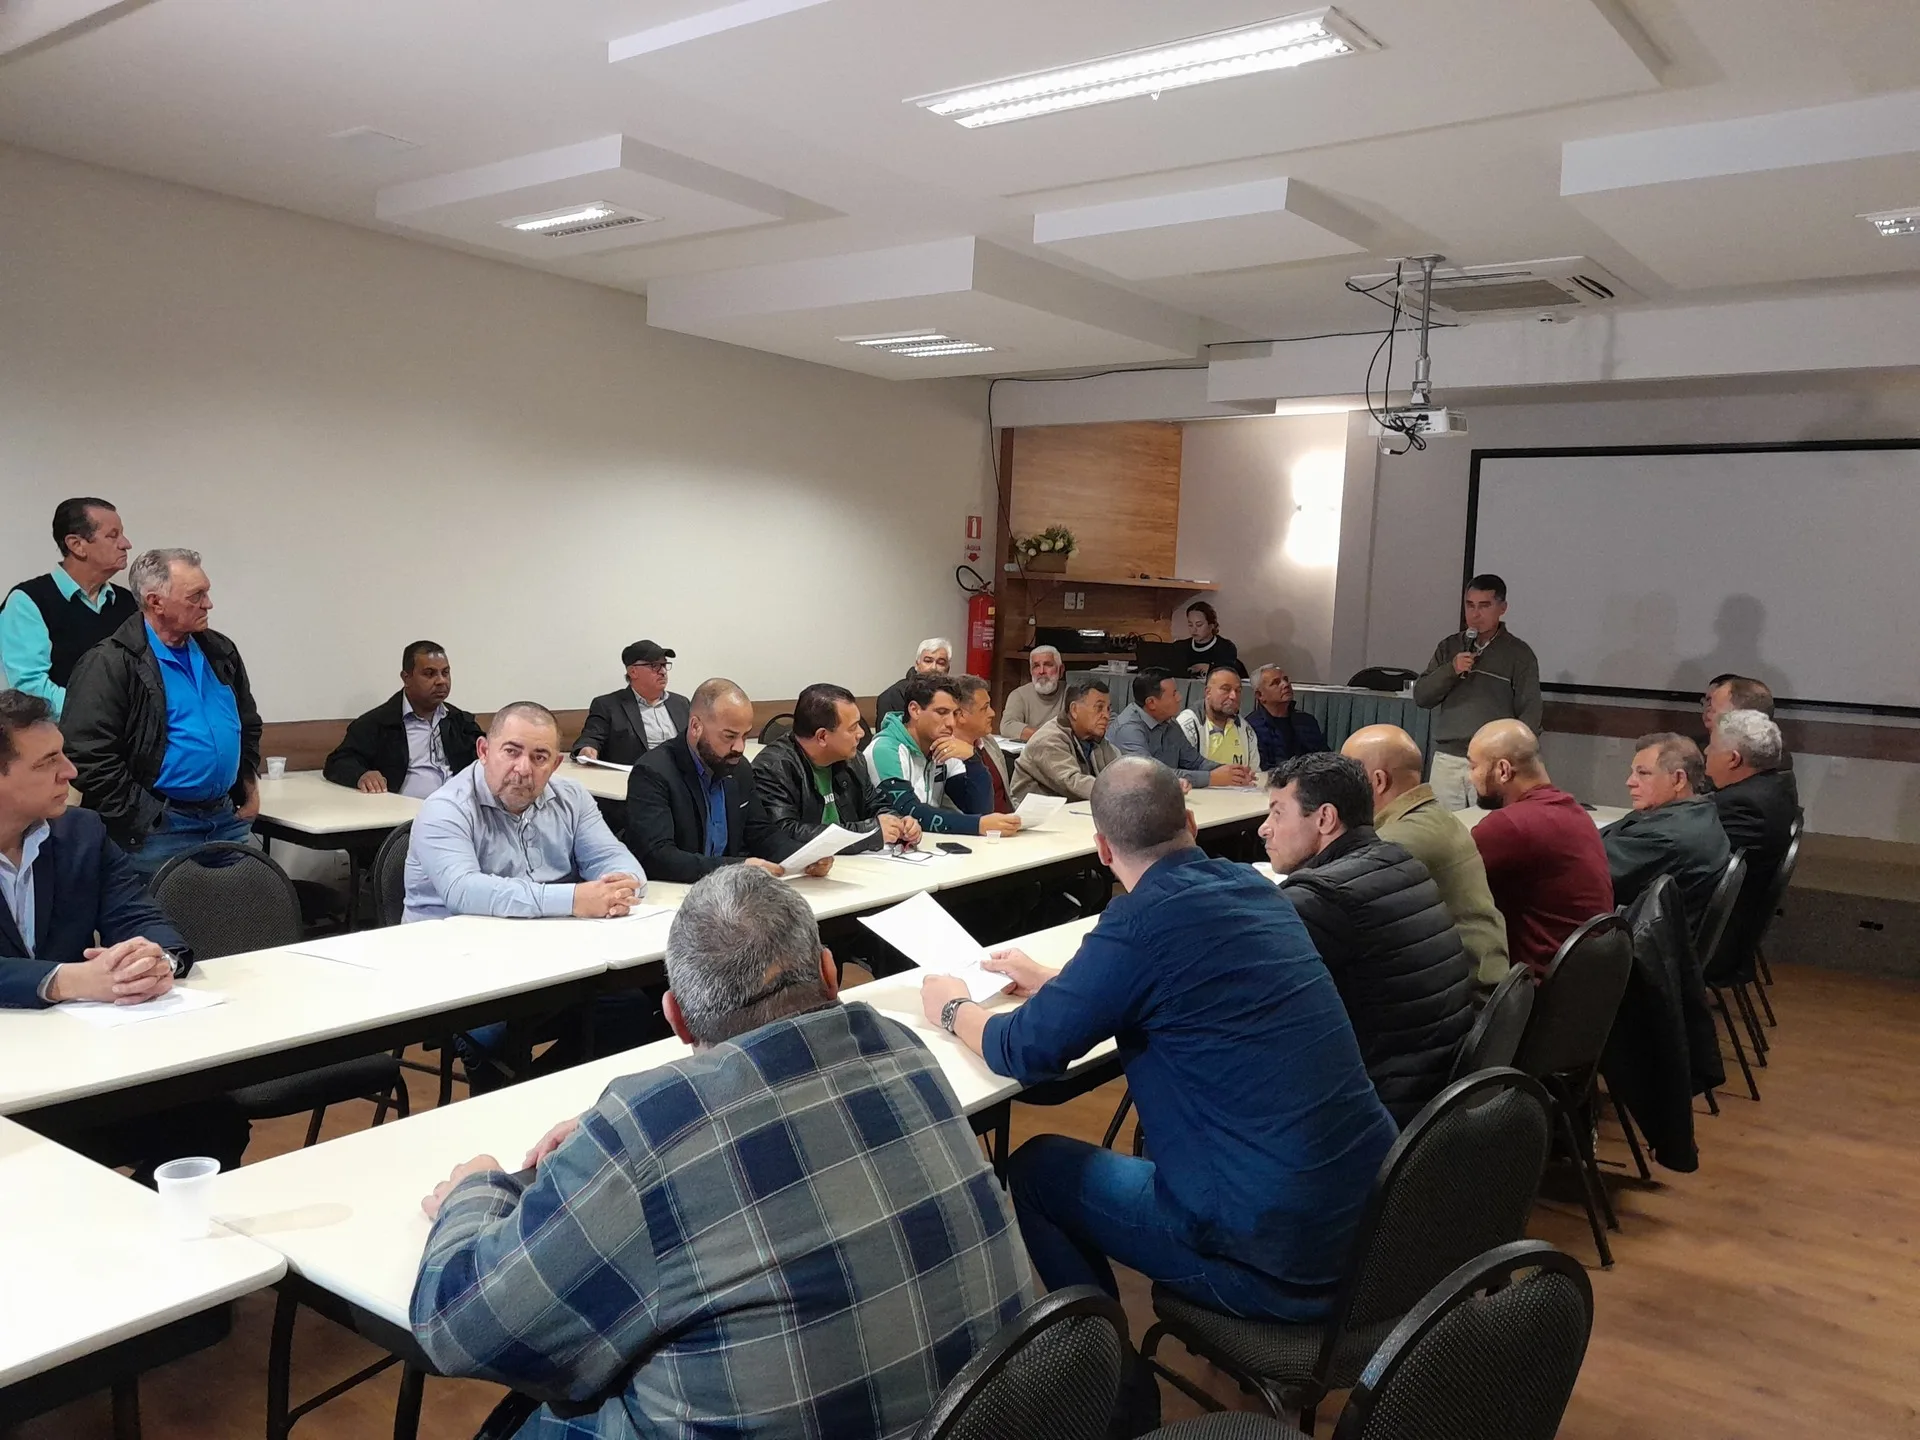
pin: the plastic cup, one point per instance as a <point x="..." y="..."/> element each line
<point x="186" y="1196"/>
<point x="276" y="767"/>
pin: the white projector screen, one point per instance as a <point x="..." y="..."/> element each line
<point x="1651" y="571"/>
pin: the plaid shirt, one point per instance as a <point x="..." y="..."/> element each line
<point x="791" y="1234"/>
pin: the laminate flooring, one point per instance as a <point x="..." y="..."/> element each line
<point x="1775" y="1292"/>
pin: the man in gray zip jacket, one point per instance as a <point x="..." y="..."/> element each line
<point x="1477" y="675"/>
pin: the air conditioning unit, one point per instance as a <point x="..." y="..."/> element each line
<point x="1545" y="289"/>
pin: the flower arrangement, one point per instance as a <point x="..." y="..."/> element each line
<point x="1047" y="550"/>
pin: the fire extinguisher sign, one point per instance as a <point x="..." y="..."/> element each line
<point x="972" y="549"/>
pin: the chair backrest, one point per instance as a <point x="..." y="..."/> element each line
<point x="1576" y="1000"/>
<point x="1495" y="1037"/>
<point x="1713" y="920"/>
<point x="1383" y="677"/>
<point x="390" y="876"/>
<point x="777" y="728"/>
<point x="1459" y="1181"/>
<point x="1783" y="877"/>
<point x="226" y="899"/>
<point x="1054" y="1370"/>
<point x="1493" y="1350"/>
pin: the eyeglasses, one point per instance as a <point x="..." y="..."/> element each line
<point x="659" y="667"/>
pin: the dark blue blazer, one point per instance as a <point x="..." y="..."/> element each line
<point x="82" y="886"/>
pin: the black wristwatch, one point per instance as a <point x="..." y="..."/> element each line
<point x="181" y="960"/>
<point x="949" y="1010"/>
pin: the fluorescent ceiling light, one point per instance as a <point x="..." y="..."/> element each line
<point x="579" y="215"/>
<point x="919" y="344"/>
<point x="1895" y="222"/>
<point x="1248" y="50"/>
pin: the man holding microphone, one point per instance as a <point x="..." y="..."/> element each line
<point x="1479" y="674"/>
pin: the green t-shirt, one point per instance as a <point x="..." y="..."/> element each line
<point x="823" y="782"/>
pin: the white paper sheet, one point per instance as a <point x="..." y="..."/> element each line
<point x="603" y="764"/>
<point x="177" y="1001"/>
<point x="932" y="939"/>
<point x="830" y="841"/>
<point x="619" y="937"/>
<point x="386" y="948"/>
<point x="1037" y="811"/>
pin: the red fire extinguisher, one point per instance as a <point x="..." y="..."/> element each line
<point x="980" y="634"/>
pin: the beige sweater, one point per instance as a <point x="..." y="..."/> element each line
<point x="1028" y="707"/>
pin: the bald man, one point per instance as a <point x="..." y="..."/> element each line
<point x="1545" y="861"/>
<point x="692" y="806"/>
<point x="1406" y="812"/>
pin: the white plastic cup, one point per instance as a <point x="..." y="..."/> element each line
<point x="186" y="1196"/>
<point x="276" y="767"/>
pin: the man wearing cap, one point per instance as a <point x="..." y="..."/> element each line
<point x="624" y="725"/>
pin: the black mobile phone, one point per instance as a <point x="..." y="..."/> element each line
<point x="952" y="847"/>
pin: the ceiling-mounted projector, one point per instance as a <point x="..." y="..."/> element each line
<point x="1421" y="420"/>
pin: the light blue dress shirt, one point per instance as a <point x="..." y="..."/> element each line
<point x="1134" y="732"/>
<point x="470" y="855"/>
<point x="715" y="790"/>
<point x="203" y="725"/>
<point x="26" y="650"/>
<point x="427" y="768"/>
<point x="16" y="882"/>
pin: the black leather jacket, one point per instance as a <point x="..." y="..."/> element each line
<point x="784" y="777"/>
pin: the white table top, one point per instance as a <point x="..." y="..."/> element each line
<point x="346" y="1213"/>
<point x="611" y="784"/>
<point x="277" y="999"/>
<point x="309" y="802"/>
<point x="88" y="1265"/>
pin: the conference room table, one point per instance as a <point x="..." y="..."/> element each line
<point x="96" y="1290"/>
<point x="345" y="1214"/>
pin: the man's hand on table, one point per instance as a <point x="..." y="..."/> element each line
<point x="479" y="1165"/>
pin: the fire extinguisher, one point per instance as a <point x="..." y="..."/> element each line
<point x="979" y="622"/>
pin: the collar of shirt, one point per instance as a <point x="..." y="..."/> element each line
<point x="646" y="704"/>
<point x="16" y="881"/>
<point x="1200" y="647"/>
<point x="1400" y="805"/>
<point x="70" y="587"/>
<point x="163" y="652"/>
<point x="410" y="716"/>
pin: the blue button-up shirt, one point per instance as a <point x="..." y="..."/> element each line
<point x="16" y="882"/>
<point x="1134" y="732"/>
<point x="1267" y="1133"/>
<point x="203" y="725"/>
<point x="427" y="768"/>
<point x="470" y="855"/>
<point x="715" y="790"/>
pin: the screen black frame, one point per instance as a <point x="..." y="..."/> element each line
<point x="1566" y="452"/>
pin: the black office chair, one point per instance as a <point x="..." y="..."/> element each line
<point x="1491" y="1353"/>
<point x="777" y="728"/>
<point x="1776" y="900"/>
<point x="1460" y="1180"/>
<point x="1497" y="1029"/>
<point x="390" y="876"/>
<point x="227" y="899"/>
<point x="1708" y="943"/>
<point x="1383" y="677"/>
<point x="1573" y="1012"/>
<point x="1054" y="1370"/>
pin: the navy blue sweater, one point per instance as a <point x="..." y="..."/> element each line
<point x="1265" y="1130"/>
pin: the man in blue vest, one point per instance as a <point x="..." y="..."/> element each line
<point x="50" y="621"/>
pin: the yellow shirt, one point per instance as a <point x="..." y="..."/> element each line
<point x="1227" y="747"/>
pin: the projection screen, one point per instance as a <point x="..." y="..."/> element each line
<point x="1649" y="571"/>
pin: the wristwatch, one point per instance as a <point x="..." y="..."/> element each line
<point x="181" y="960"/>
<point x="949" y="1010"/>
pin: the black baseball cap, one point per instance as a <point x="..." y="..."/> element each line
<point x="644" y="652"/>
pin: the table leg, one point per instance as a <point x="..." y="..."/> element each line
<point x="126" y="1408"/>
<point x="406" y="1411"/>
<point x="280" y="1366"/>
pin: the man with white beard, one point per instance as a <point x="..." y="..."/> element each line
<point x="1038" y="701"/>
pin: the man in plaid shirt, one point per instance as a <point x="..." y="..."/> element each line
<point x="789" y="1232"/>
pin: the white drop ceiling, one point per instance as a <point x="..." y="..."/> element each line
<point x="1696" y="148"/>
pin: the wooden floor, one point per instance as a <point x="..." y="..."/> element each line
<point x="1775" y="1292"/>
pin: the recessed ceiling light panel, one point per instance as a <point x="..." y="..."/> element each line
<point x="1891" y="223"/>
<point x="1248" y="50"/>
<point x="918" y="344"/>
<point x="588" y="219"/>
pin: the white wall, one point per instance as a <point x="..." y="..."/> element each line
<point x="373" y="440"/>
<point x="1259" y="513"/>
<point x="1407" y="585"/>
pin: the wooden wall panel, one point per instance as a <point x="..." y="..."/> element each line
<point x="1117" y="487"/>
<point x="307" y="743"/>
<point x="1803" y="737"/>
